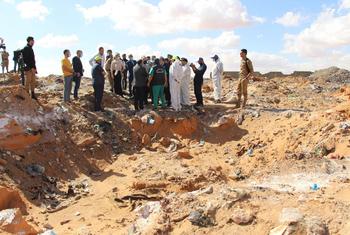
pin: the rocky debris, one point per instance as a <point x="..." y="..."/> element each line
<point x="241" y="217"/>
<point x="331" y="75"/>
<point x="240" y="118"/>
<point x="315" y="226"/>
<point x="35" y="170"/>
<point x="11" y="199"/>
<point x="199" y="218"/>
<point x="48" y="232"/>
<point x="146" y="140"/>
<point x="316" y="88"/>
<point x="11" y="221"/>
<point x="184" y="154"/>
<point x="290" y="215"/>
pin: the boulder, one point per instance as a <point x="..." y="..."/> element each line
<point x="11" y="221"/>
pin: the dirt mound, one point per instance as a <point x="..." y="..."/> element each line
<point x="153" y="123"/>
<point x="332" y="74"/>
<point x="11" y="199"/>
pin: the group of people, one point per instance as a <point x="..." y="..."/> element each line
<point x="166" y="80"/>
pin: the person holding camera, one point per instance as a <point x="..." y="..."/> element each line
<point x="198" y="80"/>
<point x="29" y="67"/>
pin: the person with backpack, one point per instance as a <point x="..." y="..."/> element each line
<point x="246" y="72"/>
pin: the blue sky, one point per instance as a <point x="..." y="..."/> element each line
<point x="282" y="35"/>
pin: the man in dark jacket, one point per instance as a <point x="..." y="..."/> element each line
<point x="124" y="73"/>
<point x="198" y="80"/>
<point x="78" y="71"/>
<point x="29" y="66"/>
<point x="167" y="64"/>
<point x="140" y="83"/>
<point x="130" y="68"/>
<point x="98" y="77"/>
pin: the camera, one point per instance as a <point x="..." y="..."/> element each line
<point x="2" y="46"/>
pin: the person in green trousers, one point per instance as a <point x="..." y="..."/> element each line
<point x="158" y="79"/>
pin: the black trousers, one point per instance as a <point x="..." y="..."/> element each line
<point x="130" y="85"/>
<point x="98" y="92"/>
<point x="198" y="83"/>
<point x="125" y="79"/>
<point x="167" y="95"/>
<point x="139" y="97"/>
<point x="118" y="84"/>
<point x="77" y="86"/>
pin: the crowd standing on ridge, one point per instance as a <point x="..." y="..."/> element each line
<point x="164" y="80"/>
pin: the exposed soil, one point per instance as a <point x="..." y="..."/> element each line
<point x="280" y="166"/>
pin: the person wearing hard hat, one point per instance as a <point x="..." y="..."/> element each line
<point x="98" y="82"/>
<point x="175" y="76"/>
<point x="217" y="73"/>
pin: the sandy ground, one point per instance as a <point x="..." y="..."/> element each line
<point x="280" y="166"/>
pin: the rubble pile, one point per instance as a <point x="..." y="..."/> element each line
<point x="279" y="166"/>
<point x="332" y="75"/>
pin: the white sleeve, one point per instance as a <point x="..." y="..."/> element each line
<point x="91" y="61"/>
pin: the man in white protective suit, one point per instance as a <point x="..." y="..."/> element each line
<point x="175" y="76"/>
<point x="217" y="77"/>
<point x="185" y="83"/>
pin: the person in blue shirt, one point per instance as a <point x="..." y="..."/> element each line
<point x="130" y="68"/>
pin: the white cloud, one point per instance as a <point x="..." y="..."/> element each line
<point x="205" y="46"/>
<point x="345" y="4"/>
<point x="8" y="1"/>
<point x="168" y="16"/>
<point x="32" y="10"/>
<point x="289" y="19"/>
<point x="57" y="41"/>
<point x="328" y="32"/>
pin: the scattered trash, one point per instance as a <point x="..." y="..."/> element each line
<point x="250" y="152"/>
<point x="344" y="125"/>
<point x="198" y="218"/>
<point x="35" y="170"/>
<point x="48" y="232"/>
<point x="201" y="143"/>
<point x="315" y="187"/>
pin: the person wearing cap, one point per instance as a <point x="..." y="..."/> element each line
<point x="246" y="72"/>
<point x="217" y="73"/>
<point x="29" y="67"/>
<point x="198" y="80"/>
<point x="130" y="70"/>
<point x="185" y="83"/>
<point x="98" y="82"/>
<point x="175" y="76"/>
<point x="78" y="72"/>
<point x="108" y="64"/>
<point x="139" y="84"/>
<point x="68" y="73"/>
<point x="158" y="80"/>
<point x="101" y="53"/>
<point x="117" y="68"/>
